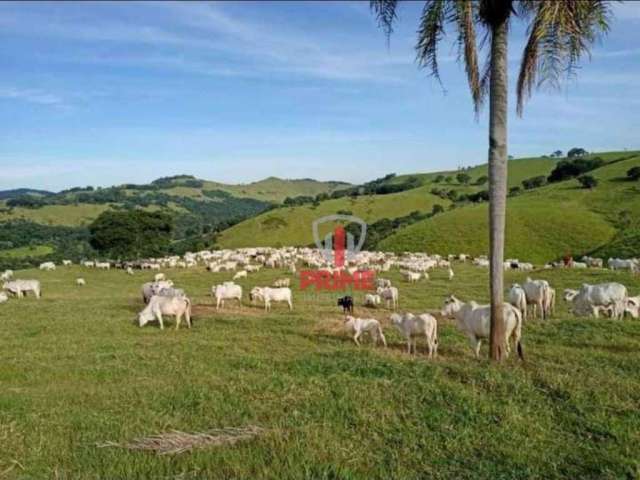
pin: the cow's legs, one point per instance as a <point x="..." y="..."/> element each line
<point x="159" y="318"/>
<point x="178" y="320"/>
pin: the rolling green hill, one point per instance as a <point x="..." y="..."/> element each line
<point x="542" y="224"/>
<point x="292" y="226"/>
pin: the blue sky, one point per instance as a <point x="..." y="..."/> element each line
<point x="107" y="93"/>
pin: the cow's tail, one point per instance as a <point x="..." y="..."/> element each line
<point x="518" y="333"/>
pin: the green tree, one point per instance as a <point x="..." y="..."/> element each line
<point x="438" y="179"/>
<point x="588" y="181"/>
<point x="559" y="34"/>
<point x="463" y="178"/>
<point x="634" y="173"/>
<point x="482" y="180"/>
<point x="437" y="208"/>
<point x="129" y="234"/>
<point x="576" y="152"/>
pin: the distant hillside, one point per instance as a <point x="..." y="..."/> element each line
<point x="16" y="192"/>
<point x="543" y="223"/>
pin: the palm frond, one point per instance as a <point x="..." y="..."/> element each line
<point x="385" y="12"/>
<point x="560" y="34"/>
<point x="430" y="33"/>
<point x="464" y="17"/>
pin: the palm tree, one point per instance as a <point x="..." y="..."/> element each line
<point x="559" y="35"/>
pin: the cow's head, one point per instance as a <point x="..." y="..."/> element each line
<point x="144" y="317"/>
<point x="451" y="306"/>
<point x="632" y="307"/>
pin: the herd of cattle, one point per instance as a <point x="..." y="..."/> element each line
<point x="532" y="297"/>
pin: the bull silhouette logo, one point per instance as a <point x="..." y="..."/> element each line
<point x="339" y="245"/>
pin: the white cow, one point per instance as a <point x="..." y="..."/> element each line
<point x="129" y="271"/>
<point x="47" y="266"/>
<point x="226" y="291"/>
<point x="591" y="297"/>
<point x="475" y="320"/>
<point x="80" y="282"/>
<point x="150" y="289"/>
<point x="158" y="277"/>
<point x="633" y="306"/>
<point x="389" y="295"/>
<point x="451" y="274"/>
<point x="622" y="264"/>
<point x="240" y="274"/>
<point x="158" y="306"/>
<point x="358" y="326"/>
<point x="88" y="264"/>
<point x="282" y="282"/>
<point x="3" y="297"/>
<point x="382" y="283"/>
<point x="412" y="326"/>
<point x="6" y="275"/>
<point x="537" y="292"/>
<point x="103" y="265"/>
<point x="20" y="287"/>
<point x="371" y="300"/>
<point x="268" y="295"/>
<point x="518" y="298"/>
<point x="66" y="263"/>
<point x="411" y="277"/>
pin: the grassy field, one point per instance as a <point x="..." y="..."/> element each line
<point x="76" y="372"/>
<point x="69" y="215"/>
<point x="292" y="226"/>
<point x="19" y="252"/>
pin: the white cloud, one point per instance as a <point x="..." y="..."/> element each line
<point x="30" y="95"/>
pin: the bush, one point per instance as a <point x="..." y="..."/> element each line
<point x="482" y="180"/>
<point x="634" y="173"/>
<point x="439" y="179"/>
<point x="567" y="169"/>
<point x="534" y="182"/>
<point x="515" y="191"/>
<point x="587" y="181"/>
<point x="437" y="208"/>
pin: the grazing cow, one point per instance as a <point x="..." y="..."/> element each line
<point x="19" y="288"/>
<point x="150" y="289"/>
<point x="411" y="277"/>
<point x="158" y="277"/>
<point x="6" y="275"/>
<point x="371" y="300"/>
<point x="80" y="282"/>
<point x="47" y="266"/>
<point x="570" y="294"/>
<point x="518" y="298"/>
<point x="226" y="291"/>
<point x="129" y="271"/>
<point x="412" y="326"/>
<point x="88" y="264"/>
<point x="268" y="295"/>
<point x="537" y="292"/>
<point x="383" y="283"/>
<point x="346" y="303"/>
<point x="3" y="297"/>
<point x="590" y="297"/>
<point x="474" y="320"/>
<point x="633" y="306"/>
<point x="240" y="274"/>
<point x="103" y="265"/>
<point x="358" y="326"/>
<point x="170" y="292"/>
<point x="450" y="274"/>
<point x="389" y="295"/>
<point x="622" y="264"/>
<point x="282" y="282"/>
<point x="158" y="306"/>
<point x="66" y="263"/>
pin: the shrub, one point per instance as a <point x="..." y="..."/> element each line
<point x="573" y="168"/>
<point x="482" y="180"/>
<point x="515" y="191"/>
<point x="437" y="208"/>
<point x="534" y="182"/>
<point x="634" y="173"/>
<point x="463" y="178"/>
<point x="587" y="181"/>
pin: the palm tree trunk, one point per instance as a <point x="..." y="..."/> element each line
<point x="497" y="182"/>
